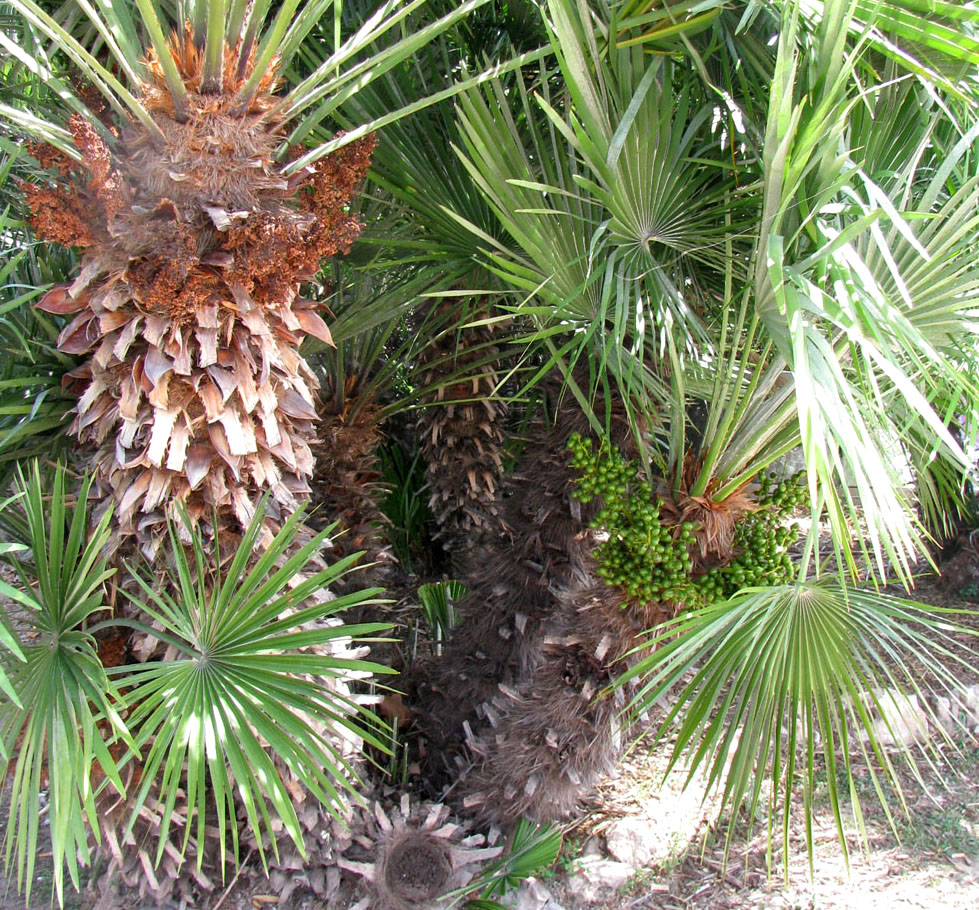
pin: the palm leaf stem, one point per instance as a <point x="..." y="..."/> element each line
<point x="214" y="41"/>
<point x="267" y="51"/>
<point x="377" y="123"/>
<point x="256" y="16"/>
<point x="121" y="99"/>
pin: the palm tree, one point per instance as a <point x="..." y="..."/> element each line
<point x="762" y="235"/>
<point x="199" y="205"/>
<point x="186" y="182"/>
<point x="418" y="191"/>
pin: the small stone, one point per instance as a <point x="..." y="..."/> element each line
<point x="630" y="841"/>
<point x="596" y="878"/>
<point x="581" y="887"/>
<point x="531" y="895"/>
<point x="904" y="721"/>
<point x="944" y="713"/>
<point x="592" y="848"/>
<point x="970" y="705"/>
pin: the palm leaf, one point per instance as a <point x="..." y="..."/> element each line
<point x="8" y="637"/>
<point x="113" y="32"/>
<point x="832" y="288"/>
<point x="798" y="685"/>
<point x="67" y="715"/>
<point x="533" y="848"/>
<point x="661" y="25"/>
<point x="247" y="702"/>
<point x="34" y="410"/>
<point x="611" y="207"/>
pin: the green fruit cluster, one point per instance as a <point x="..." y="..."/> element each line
<point x="762" y="541"/>
<point x="653" y="562"/>
<point x="649" y="561"/>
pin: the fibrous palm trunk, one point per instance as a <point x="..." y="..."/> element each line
<point x="347" y="486"/>
<point x="510" y="706"/>
<point x="188" y="302"/>
<point x="462" y="432"/>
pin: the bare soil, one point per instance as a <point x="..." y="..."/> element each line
<point x="935" y="864"/>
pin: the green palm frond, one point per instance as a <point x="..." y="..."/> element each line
<point x="416" y="165"/>
<point x="417" y="249"/>
<point x="422" y="252"/>
<point x="67" y="716"/>
<point x="532" y="849"/>
<point x="8" y="637"/>
<point x="33" y="407"/>
<point x="937" y="39"/>
<point x="585" y="289"/>
<point x="122" y="33"/>
<point x="375" y="339"/>
<point x="823" y="294"/>
<point x="798" y="685"/>
<point x="837" y="258"/>
<point x="662" y="26"/>
<point x="320" y="94"/>
<point x="751" y="420"/>
<point x="867" y="372"/>
<point x="248" y="699"/>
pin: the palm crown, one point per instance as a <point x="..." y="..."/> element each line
<point x="749" y="248"/>
<point x="199" y="211"/>
<point x="758" y="220"/>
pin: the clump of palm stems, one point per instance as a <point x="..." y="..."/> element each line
<point x="709" y="237"/>
<point x="512" y="693"/>
<point x="777" y="261"/>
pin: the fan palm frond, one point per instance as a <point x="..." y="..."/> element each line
<point x="797" y="685"/>
<point x="251" y="697"/>
<point x="66" y="713"/>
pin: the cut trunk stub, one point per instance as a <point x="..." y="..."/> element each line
<point x="415" y="868"/>
<point x="413" y="854"/>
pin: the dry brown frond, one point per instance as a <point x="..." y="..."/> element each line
<point x="716" y="519"/>
<point x="190" y="64"/>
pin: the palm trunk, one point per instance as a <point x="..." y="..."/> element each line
<point x="509" y="707"/>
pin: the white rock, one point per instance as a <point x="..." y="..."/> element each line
<point x="969" y="705"/>
<point x="531" y="895"/>
<point x="631" y="841"/>
<point x="597" y="877"/>
<point x="958" y="710"/>
<point x="592" y="848"/>
<point x="944" y="714"/>
<point x="903" y="721"/>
